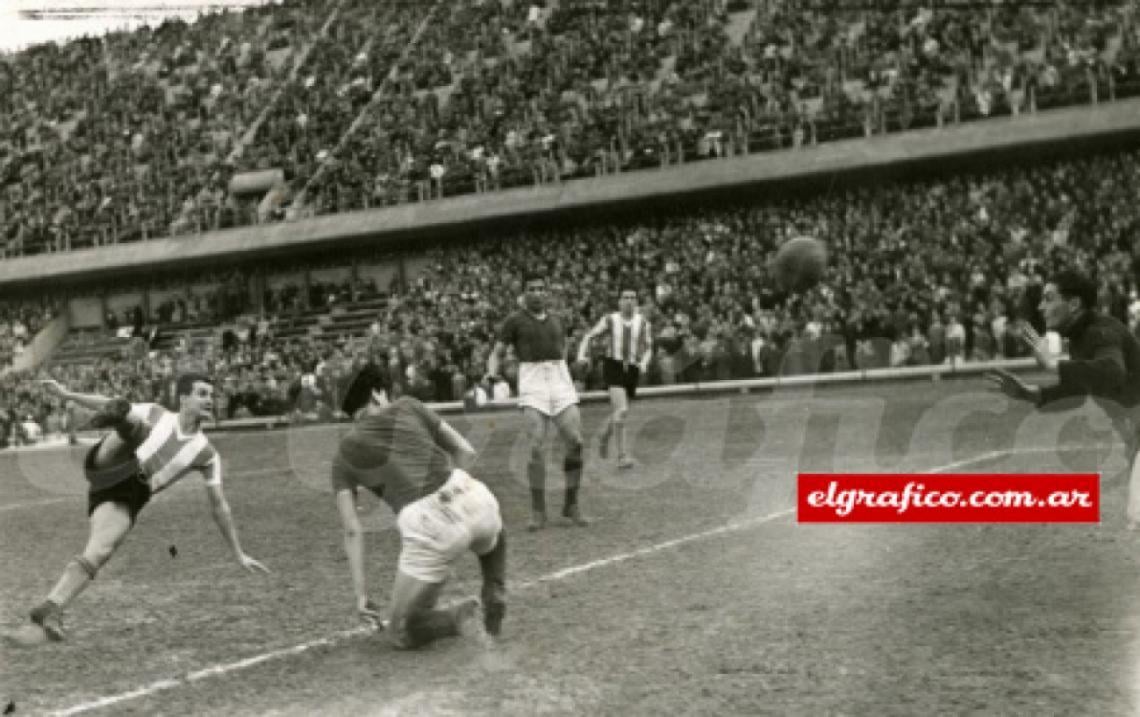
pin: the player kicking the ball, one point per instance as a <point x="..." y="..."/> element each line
<point x="628" y="351"/>
<point x="546" y="395"/>
<point x="414" y="461"/>
<point x="149" y="450"/>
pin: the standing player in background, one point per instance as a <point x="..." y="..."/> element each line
<point x="414" y="461"/>
<point x="149" y="449"/>
<point x="627" y="357"/>
<point x="546" y="395"/>
<point x="1104" y="363"/>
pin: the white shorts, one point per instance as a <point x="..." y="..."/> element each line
<point x="437" y="529"/>
<point x="546" y="386"/>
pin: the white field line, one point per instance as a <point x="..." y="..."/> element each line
<point x="230" y="667"/>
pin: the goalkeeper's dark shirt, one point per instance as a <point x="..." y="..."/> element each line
<point x="396" y="454"/>
<point x="1104" y="362"/>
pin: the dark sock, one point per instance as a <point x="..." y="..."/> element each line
<point x="571" y="499"/>
<point x="538" y="500"/>
<point x="493" y="567"/>
<point x="573" y="468"/>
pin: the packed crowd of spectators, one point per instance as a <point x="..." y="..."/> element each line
<point x="20" y="321"/>
<point x="359" y="104"/>
<point x="922" y="272"/>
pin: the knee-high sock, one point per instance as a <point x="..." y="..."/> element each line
<point x="573" y="468"/>
<point x="493" y="566"/>
<point x="619" y="437"/>
<point x="77" y="575"/>
<point x="536" y="475"/>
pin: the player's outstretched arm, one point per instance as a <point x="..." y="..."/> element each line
<point x="495" y="358"/>
<point x="220" y="508"/>
<point x="454" y="443"/>
<point x="93" y="401"/>
<point x="354" y="551"/>
<point x="584" y="347"/>
<point x="1013" y="386"/>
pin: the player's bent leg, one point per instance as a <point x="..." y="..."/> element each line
<point x="415" y="621"/>
<point x="116" y="414"/>
<point x="110" y="523"/>
<point x="109" y="454"/>
<point x="535" y="422"/>
<point x="569" y="423"/>
<point x="620" y="402"/>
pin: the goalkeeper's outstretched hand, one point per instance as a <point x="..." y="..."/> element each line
<point x="1013" y="386"/>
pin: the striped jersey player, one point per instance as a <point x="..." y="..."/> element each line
<point x="149" y="450"/>
<point x="628" y="351"/>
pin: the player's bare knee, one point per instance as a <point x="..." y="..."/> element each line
<point x="620" y="415"/>
<point x="95" y="556"/>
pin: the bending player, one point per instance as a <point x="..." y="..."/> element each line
<point x="415" y="462"/>
<point x="149" y="450"/>
<point x="627" y="357"/>
<point x="1104" y="363"/>
<point x="546" y="395"/>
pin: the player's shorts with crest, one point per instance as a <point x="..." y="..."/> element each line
<point x="438" y="529"/>
<point x="618" y="374"/>
<point x="123" y="482"/>
<point x="546" y="386"/>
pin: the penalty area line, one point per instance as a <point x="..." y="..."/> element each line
<point x="563" y="574"/>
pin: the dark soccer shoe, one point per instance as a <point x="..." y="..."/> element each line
<point x="112" y="415"/>
<point x="537" y="521"/>
<point x="49" y="616"/>
<point x="573" y="514"/>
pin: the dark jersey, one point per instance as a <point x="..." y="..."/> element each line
<point x="1104" y="362"/>
<point x="535" y="340"/>
<point x="396" y="454"/>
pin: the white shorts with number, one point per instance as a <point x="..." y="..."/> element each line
<point x="437" y="529"/>
<point x="546" y="386"/>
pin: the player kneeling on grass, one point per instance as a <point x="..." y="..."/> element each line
<point x="149" y="449"/>
<point x="414" y="461"/>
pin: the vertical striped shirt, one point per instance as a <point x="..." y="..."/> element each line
<point x="629" y="340"/>
<point x="168" y="454"/>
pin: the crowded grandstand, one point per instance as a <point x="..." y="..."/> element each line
<point x="279" y="195"/>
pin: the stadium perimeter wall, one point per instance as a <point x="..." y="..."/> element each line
<point x="1051" y="133"/>
<point x="948" y="371"/>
